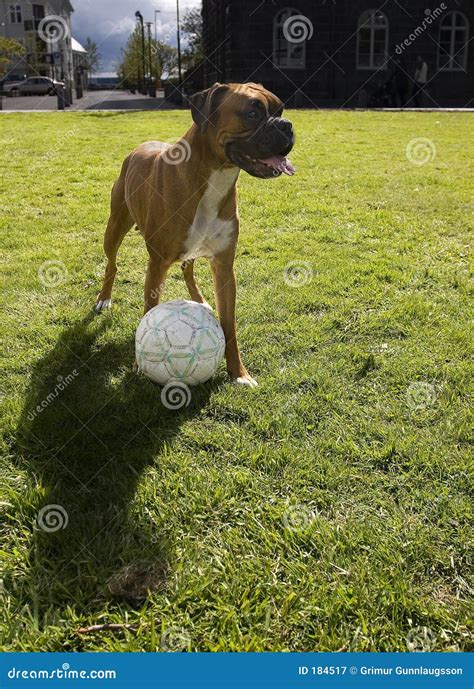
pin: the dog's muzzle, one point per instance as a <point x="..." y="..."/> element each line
<point x="263" y="154"/>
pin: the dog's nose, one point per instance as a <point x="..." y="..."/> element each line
<point x="284" y="125"/>
<point x="286" y="129"/>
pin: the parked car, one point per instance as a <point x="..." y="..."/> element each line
<point x="10" y="79"/>
<point x="33" y="86"/>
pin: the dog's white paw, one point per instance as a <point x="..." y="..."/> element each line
<point x="207" y="306"/>
<point x="247" y="380"/>
<point x="103" y="305"/>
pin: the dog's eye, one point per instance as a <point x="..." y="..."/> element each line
<point x="252" y="115"/>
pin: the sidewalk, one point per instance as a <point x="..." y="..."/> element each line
<point x="92" y="100"/>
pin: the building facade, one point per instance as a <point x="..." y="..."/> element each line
<point x="314" y="53"/>
<point x="44" y="29"/>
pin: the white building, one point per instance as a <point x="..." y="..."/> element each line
<point x="79" y="56"/>
<point x="44" y="28"/>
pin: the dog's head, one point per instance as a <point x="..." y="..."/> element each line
<point x="245" y="127"/>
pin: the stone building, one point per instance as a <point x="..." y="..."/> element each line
<point x="323" y="52"/>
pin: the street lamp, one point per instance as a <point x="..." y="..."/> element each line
<point x="179" y="44"/>
<point x="156" y="12"/>
<point x="148" y="26"/>
<point x="139" y="16"/>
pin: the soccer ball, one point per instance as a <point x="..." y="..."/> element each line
<point x="179" y="341"/>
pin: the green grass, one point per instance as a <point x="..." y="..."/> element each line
<point x="197" y="505"/>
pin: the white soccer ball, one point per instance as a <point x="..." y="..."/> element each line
<point x="179" y="341"/>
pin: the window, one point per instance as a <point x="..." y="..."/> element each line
<point x="15" y="14"/>
<point x="372" y="40"/>
<point x="453" y="40"/>
<point x="287" y="54"/>
<point x="38" y="12"/>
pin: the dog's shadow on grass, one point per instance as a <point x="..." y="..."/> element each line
<point x="89" y="429"/>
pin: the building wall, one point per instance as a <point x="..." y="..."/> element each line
<point x="35" y="62"/>
<point x="238" y="37"/>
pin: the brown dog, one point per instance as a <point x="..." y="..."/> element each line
<point x="183" y="197"/>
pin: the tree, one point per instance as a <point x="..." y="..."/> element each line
<point x="130" y="67"/>
<point x="92" y="61"/>
<point x="193" y="55"/>
<point x="167" y="55"/>
<point x="191" y="26"/>
<point x="9" y="49"/>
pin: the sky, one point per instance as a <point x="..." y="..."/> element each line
<point x="110" y="22"/>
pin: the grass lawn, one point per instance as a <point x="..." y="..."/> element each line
<point x="326" y="510"/>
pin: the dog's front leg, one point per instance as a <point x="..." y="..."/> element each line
<point x="154" y="283"/>
<point x="225" y="292"/>
<point x="155" y="279"/>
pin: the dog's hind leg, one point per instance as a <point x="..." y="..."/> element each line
<point x="120" y="222"/>
<point x="194" y="292"/>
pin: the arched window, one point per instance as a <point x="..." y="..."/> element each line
<point x="372" y="40"/>
<point x="453" y="40"/>
<point x="289" y="39"/>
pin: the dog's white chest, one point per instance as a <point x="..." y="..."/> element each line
<point x="209" y="234"/>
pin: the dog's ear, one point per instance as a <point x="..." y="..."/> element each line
<point x="204" y="103"/>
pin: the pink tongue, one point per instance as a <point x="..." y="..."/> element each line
<point x="280" y="163"/>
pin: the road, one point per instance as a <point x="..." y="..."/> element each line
<point x="92" y="100"/>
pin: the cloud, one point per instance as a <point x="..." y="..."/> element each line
<point x="110" y="22"/>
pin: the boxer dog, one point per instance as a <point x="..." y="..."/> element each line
<point x="183" y="200"/>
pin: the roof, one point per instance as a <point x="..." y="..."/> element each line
<point x="77" y="47"/>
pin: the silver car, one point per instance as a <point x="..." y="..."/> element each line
<point x="33" y="86"/>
